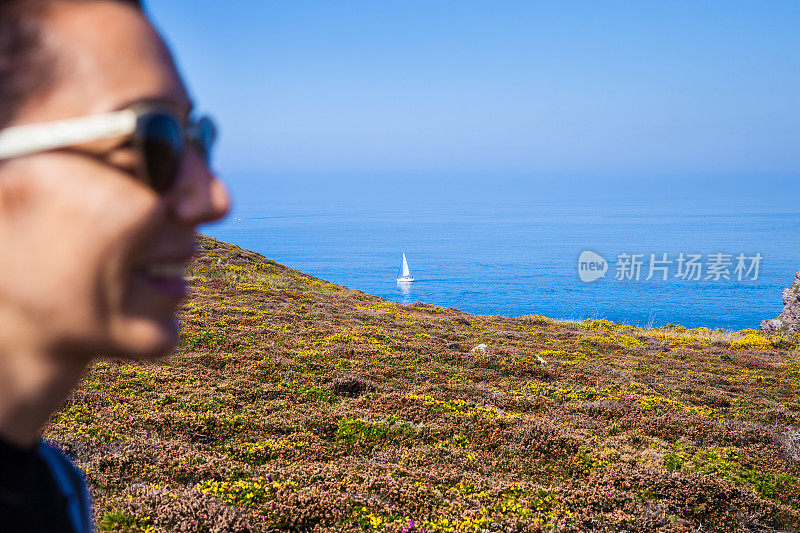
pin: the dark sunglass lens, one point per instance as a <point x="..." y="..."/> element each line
<point x="205" y="133"/>
<point x="162" y="143"/>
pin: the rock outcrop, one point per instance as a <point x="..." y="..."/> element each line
<point x="789" y="319"/>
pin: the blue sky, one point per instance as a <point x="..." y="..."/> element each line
<point x="376" y="91"/>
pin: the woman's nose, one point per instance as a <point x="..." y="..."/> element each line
<point x="199" y="196"/>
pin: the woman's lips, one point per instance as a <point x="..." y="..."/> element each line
<point x="167" y="277"/>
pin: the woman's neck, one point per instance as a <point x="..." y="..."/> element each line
<point x="33" y="384"/>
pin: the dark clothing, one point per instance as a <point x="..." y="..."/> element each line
<point x="42" y="491"/>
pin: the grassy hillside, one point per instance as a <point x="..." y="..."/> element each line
<point x="297" y="404"/>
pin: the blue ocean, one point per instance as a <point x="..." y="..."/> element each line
<point x="514" y="255"/>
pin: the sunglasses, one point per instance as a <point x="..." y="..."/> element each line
<point x="159" y="137"/>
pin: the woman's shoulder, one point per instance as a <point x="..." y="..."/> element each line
<point x="54" y="456"/>
<point x="72" y="483"/>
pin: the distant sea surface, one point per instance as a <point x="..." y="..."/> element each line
<point x="519" y="256"/>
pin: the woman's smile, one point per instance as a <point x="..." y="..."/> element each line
<point x="165" y="275"/>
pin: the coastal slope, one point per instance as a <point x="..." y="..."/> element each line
<point x="294" y="404"/>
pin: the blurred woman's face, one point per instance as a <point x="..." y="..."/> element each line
<point x="92" y="258"/>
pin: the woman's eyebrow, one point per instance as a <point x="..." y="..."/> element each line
<point x="185" y="108"/>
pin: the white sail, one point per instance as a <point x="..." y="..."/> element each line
<point x="406" y="275"/>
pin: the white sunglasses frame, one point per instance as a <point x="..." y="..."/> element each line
<point x="28" y="139"/>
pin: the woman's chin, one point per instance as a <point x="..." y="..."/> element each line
<point x="145" y="338"/>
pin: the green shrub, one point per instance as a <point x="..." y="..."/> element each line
<point x="115" y="521"/>
<point x="208" y="339"/>
<point x="673" y="461"/>
<point x="356" y="430"/>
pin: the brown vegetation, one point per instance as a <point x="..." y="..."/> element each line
<point x="296" y="404"/>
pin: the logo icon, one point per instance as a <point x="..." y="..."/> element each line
<point x="591" y="266"/>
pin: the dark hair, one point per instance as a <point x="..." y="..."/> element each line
<point x="25" y="67"/>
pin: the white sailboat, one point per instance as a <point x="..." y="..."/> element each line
<point x="406" y="275"/>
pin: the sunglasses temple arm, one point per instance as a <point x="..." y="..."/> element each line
<point x="18" y="141"/>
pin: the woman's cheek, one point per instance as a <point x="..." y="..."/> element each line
<point x="105" y="221"/>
